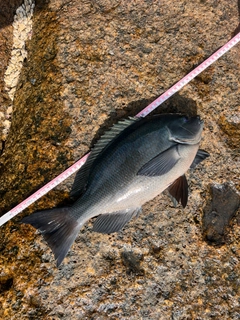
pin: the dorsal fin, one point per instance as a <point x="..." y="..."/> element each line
<point x="81" y="178"/>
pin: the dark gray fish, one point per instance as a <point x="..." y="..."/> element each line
<point x="130" y="165"/>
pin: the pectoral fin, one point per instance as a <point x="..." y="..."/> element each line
<point x="115" y="221"/>
<point x="161" y="164"/>
<point x="179" y="190"/>
<point x="200" y="156"/>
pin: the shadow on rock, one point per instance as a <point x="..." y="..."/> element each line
<point x="175" y="104"/>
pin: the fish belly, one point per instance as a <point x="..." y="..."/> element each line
<point x="142" y="189"/>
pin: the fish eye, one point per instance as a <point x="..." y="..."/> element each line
<point x="185" y="119"/>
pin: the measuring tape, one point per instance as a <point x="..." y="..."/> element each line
<point x="76" y="166"/>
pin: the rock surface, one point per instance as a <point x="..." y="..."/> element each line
<point x="89" y="64"/>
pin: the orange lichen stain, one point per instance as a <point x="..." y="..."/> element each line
<point x="91" y="271"/>
<point x="224" y="276"/>
<point x="230" y="124"/>
<point x="169" y="303"/>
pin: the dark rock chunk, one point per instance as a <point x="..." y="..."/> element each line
<point x="132" y="262"/>
<point x="219" y="212"/>
<point x="6" y="283"/>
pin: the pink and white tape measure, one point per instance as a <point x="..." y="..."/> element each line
<point x="181" y="83"/>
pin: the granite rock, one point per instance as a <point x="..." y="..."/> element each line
<point x="89" y="64"/>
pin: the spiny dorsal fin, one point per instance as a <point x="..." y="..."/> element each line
<point x="81" y="178"/>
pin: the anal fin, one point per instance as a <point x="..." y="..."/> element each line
<point x="115" y="221"/>
<point x="179" y="190"/>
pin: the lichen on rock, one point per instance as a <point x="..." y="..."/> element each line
<point x="22" y="30"/>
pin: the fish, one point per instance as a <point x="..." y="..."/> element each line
<point x="131" y="164"/>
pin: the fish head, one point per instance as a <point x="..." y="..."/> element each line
<point x="185" y="130"/>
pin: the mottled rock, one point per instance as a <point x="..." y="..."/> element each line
<point x="89" y="64"/>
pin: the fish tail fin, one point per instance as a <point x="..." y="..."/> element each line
<point x="58" y="227"/>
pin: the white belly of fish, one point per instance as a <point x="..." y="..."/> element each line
<point x="144" y="188"/>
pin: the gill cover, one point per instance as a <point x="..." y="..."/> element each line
<point x="186" y="130"/>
